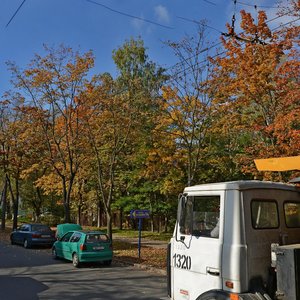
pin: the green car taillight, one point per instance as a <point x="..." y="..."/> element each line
<point x="82" y="247"/>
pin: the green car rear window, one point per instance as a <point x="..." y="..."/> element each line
<point x="96" y="237"/>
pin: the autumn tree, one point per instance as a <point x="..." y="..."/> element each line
<point x="15" y="149"/>
<point x="143" y="79"/>
<point x="109" y="132"/>
<point x="121" y="110"/>
<point x="245" y="87"/>
<point x="33" y="195"/>
<point x="186" y="108"/>
<point x="52" y="84"/>
<point x="5" y="153"/>
<point x="286" y="126"/>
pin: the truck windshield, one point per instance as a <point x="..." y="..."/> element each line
<point x="200" y="216"/>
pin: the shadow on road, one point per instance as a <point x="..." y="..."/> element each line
<point x="16" y="256"/>
<point x="25" y="288"/>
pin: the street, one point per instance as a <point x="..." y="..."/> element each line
<point x="31" y="274"/>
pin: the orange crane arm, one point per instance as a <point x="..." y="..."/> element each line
<point x="278" y="164"/>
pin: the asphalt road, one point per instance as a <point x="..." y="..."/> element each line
<point x="31" y="274"/>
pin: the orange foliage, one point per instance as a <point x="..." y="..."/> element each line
<point x="257" y="86"/>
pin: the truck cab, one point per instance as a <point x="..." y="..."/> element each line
<point x="224" y="236"/>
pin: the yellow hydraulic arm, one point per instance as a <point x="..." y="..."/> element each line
<point x="278" y="164"/>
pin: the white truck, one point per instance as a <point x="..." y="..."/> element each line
<point x="236" y="240"/>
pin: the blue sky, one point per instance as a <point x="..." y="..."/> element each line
<point x="84" y="25"/>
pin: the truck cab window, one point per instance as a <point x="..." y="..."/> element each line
<point x="264" y="214"/>
<point x="292" y="214"/>
<point x="201" y="216"/>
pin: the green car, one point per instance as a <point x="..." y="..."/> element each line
<point x="84" y="246"/>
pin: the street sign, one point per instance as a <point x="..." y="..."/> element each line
<point x="139" y="214"/>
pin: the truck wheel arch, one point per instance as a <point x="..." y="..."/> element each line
<point x="214" y="295"/>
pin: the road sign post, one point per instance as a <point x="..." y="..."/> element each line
<point x="139" y="214"/>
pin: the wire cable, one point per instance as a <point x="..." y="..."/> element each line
<point x="128" y="15"/>
<point x="199" y="23"/>
<point x="15" y="13"/>
<point x="202" y="63"/>
<point x="210" y="2"/>
<point x="259" y="6"/>
<point x="214" y="45"/>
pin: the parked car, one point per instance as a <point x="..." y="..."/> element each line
<point x="84" y="246"/>
<point x="30" y="235"/>
<point x="61" y="229"/>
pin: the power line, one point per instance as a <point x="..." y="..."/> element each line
<point x="128" y="15"/>
<point x="214" y="45"/>
<point x="199" y="23"/>
<point x="210" y="2"/>
<point x="254" y="5"/>
<point x="15" y="13"/>
<point x="201" y="63"/>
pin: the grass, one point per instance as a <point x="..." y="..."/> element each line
<point x="145" y="234"/>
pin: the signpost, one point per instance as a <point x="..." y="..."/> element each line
<point x="139" y="214"/>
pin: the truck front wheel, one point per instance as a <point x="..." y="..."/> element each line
<point x="214" y="295"/>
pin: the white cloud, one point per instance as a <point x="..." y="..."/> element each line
<point x="162" y="14"/>
<point x="138" y="24"/>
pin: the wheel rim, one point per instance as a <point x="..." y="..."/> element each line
<point x="75" y="260"/>
<point x="25" y="244"/>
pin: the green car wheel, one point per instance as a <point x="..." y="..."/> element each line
<point x="75" y="260"/>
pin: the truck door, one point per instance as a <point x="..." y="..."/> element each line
<point x="196" y="248"/>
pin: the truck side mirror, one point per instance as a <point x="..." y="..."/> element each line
<point x="181" y="207"/>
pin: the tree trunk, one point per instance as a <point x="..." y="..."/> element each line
<point x="79" y="214"/>
<point x="109" y="224"/>
<point x="4" y="201"/>
<point x="121" y="219"/>
<point x="66" y="202"/>
<point x="37" y="214"/>
<point x="152" y="223"/>
<point x="39" y="204"/>
<point x="166" y="224"/>
<point x="15" y="201"/>
<point x="99" y="217"/>
<point x="67" y="212"/>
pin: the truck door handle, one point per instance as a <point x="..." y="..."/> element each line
<point x="213" y="271"/>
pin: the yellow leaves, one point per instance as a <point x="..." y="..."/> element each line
<point x="50" y="183"/>
<point x="155" y="257"/>
<point x="27" y="172"/>
<point x="254" y="86"/>
<point x="81" y="64"/>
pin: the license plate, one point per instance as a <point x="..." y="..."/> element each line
<point x="98" y="248"/>
<point x="45" y="236"/>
